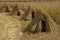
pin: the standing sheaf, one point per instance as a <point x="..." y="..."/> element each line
<point x="39" y="22"/>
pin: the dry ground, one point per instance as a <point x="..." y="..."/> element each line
<point x="10" y="26"/>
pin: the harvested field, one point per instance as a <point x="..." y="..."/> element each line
<point x="30" y="21"/>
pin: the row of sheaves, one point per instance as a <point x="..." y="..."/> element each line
<point x="37" y="17"/>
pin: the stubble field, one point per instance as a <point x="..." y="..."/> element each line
<point x="11" y="26"/>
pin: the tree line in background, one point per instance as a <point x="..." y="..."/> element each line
<point x="27" y="0"/>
